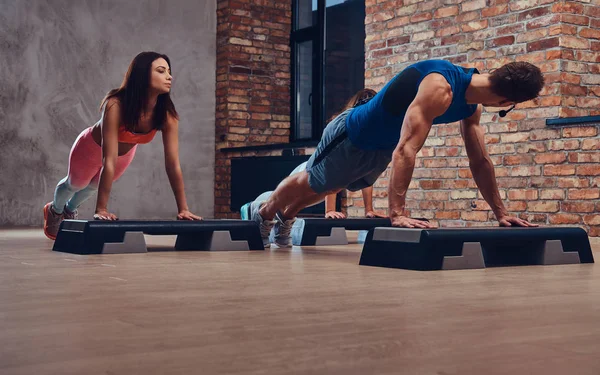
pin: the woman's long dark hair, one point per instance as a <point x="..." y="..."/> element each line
<point x="133" y="93"/>
<point x="361" y="97"/>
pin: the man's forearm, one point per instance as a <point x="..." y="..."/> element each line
<point x="485" y="178"/>
<point x="403" y="165"/>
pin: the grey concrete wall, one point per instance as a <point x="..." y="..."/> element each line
<point x="59" y="58"/>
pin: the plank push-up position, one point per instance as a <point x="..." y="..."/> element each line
<point x="281" y="238"/>
<point x="358" y="145"/>
<point x="131" y="114"/>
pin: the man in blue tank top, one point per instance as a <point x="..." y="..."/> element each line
<point x="358" y="145"/>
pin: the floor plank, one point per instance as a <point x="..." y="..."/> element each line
<point x="300" y="311"/>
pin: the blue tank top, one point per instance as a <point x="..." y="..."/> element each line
<point x="376" y="125"/>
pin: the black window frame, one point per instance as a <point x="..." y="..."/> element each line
<point x="316" y="34"/>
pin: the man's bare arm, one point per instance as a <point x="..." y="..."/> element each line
<point x="482" y="169"/>
<point x="433" y="99"/>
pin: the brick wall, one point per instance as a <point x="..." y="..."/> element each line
<point x="547" y="175"/>
<point x="253" y="83"/>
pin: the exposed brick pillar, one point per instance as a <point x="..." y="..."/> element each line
<point x="253" y="82"/>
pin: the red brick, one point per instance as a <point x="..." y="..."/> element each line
<point x="446" y="12"/>
<point x="534" y="218"/>
<point x="431" y="205"/>
<point x="587" y="157"/>
<point x="559" y="170"/>
<point x="398" y="22"/>
<point x="571" y="112"/>
<point x="568" y="41"/>
<point x="383" y="16"/>
<point x="553" y="158"/>
<point x="474" y="216"/>
<point x="590" y="144"/>
<point x="494" y="11"/>
<point x="398" y="41"/>
<point x="526" y="171"/>
<point x="448" y="215"/>
<point x="581" y="194"/>
<point x="474" y="25"/>
<point x="543" y="206"/>
<point x="512" y="182"/>
<point x="543" y="44"/>
<point x="430" y="184"/>
<point x="514" y="137"/>
<point x="575" y="20"/>
<point x="511" y="29"/>
<point x="516" y="206"/>
<point x="420" y="17"/>
<point x="573" y="90"/>
<point x="552" y="194"/>
<point x="527" y="194"/>
<point x="589" y="170"/>
<point x="578" y="132"/>
<point x="572" y="182"/>
<point x="577" y="207"/>
<point x="534" y="13"/>
<point x="543" y="134"/>
<point x="449" y="36"/>
<point x="568" y="7"/>
<point x="502" y="41"/>
<point x="590" y="33"/>
<point x="542" y="182"/>
<point x="378" y="45"/>
<point x="522" y="4"/>
<point x="435" y="163"/>
<point x="543" y="22"/>
<point x="588" y="102"/>
<point x="518" y="159"/>
<point x="480" y="205"/>
<point x="592" y="219"/>
<point x="472" y="5"/>
<point x="564" y="219"/>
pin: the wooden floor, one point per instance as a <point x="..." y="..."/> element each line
<point x="300" y="311"/>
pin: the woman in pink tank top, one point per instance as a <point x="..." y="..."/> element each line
<point x="131" y="115"/>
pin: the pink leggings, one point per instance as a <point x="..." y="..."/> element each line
<point x="85" y="164"/>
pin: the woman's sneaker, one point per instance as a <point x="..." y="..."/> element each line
<point x="68" y="215"/>
<point x="265" y="226"/>
<point x="52" y="221"/>
<point x="282" y="231"/>
<point x="245" y="212"/>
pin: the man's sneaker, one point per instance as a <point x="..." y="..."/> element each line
<point x="68" y="215"/>
<point x="282" y="231"/>
<point x="245" y="212"/>
<point x="52" y="221"/>
<point x="265" y="226"/>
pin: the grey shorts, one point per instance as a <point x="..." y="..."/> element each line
<point x="338" y="164"/>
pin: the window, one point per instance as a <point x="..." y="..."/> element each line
<point x="328" y="60"/>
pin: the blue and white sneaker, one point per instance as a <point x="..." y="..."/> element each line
<point x="282" y="231"/>
<point x="265" y="226"/>
<point x="245" y="211"/>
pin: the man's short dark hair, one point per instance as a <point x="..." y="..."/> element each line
<point x="517" y="81"/>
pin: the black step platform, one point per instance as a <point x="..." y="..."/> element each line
<point x="323" y="232"/>
<point x="112" y="237"/>
<point x="460" y="248"/>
